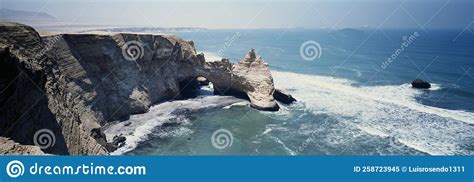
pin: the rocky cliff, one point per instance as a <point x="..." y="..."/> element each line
<point x="9" y="147"/>
<point x="73" y="84"/>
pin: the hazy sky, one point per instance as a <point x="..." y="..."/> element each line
<point x="258" y="13"/>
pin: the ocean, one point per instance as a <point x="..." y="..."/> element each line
<point x="354" y="96"/>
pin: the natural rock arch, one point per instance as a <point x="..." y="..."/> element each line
<point x="87" y="82"/>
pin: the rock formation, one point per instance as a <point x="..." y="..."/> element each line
<point x="420" y="84"/>
<point x="283" y="97"/>
<point x="9" y="147"/>
<point x="73" y="84"/>
<point x="253" y="75"/>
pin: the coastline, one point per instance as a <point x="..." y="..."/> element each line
<point x="168" y="113"/>
<point x="353" y="118"/>
<point x="86" y="81"/>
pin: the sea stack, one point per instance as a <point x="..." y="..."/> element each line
<point x="418" y="83"/>
<point x="253" y="76"/>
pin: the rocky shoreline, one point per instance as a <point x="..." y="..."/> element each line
<point x="74" y="84"/>
<point x="171" y="113"/>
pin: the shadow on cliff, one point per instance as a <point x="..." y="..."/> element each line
<point x="119" y="87"/>
<point x="24" y="106"/>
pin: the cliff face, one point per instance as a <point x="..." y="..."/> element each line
<point x="73" y="84"/>
<point x="24" y="97"/>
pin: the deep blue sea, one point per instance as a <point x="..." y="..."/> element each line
<point x="351" y="99"/>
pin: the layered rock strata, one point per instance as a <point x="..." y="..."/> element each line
<point x="73" y="84"/>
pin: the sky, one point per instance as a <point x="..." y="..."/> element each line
<point x="230" y="14"/>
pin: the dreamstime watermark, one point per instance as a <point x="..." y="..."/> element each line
<point x="407" y="41"/>
<point x="310" y="50"/>
<point x="467" y="28"/>
<point x="16" y="168"/>
<point x="132" y="51"/>
<point x="312" y="137"/>
<point x="44" y="138"/>
<point x="228" y="42"/>
<point x="48" y="45"/>
<point x="222" y="139"/>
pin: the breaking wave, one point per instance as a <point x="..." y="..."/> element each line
<point x="385" y="111"/>
<point x="138" y="128"/>
<point x="211" y="56"/>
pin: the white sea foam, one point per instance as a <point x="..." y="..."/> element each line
<point x="372" y="131"/>
<point x="211" y="56"/>
<point x="382" y="111"/>
<point x="358" y="73"/>
<point x="137" y="131"/>
<point x="435" y="87"/>
<point x="206" y="91"/>
<point x="139" y="126"/>
<point x="285" y="112"/>
<point x="243" y="103"/>
<point x="288" y="150"/>
<point x="266" y="131"/>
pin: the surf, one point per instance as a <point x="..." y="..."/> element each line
<point x="383" y="111"/>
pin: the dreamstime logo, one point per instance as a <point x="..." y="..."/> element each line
<point x="49" y="44"/>
<point x="28" y="65"/>
<point x="133" y="50"/>
<point x="228" y="43"/>
<point x="222" y="139"/>
<point x="467" y="28"/>
<point x="15" y="168"/>
<point x="310" y="50"/>
<point x="313" y="137"/>
<point x="406" y="42"/>
<point x="44" y="138"/>
<point x="310" y="139"/>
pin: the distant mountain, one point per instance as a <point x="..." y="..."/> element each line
<point x="24" y="16"/>
<point x="350" y="32"/>
<point x="151" y="29"/>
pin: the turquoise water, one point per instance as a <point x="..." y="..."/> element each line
<point x="349" y="101"/>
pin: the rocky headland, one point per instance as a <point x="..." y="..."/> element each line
<point x="75" y="84"/>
